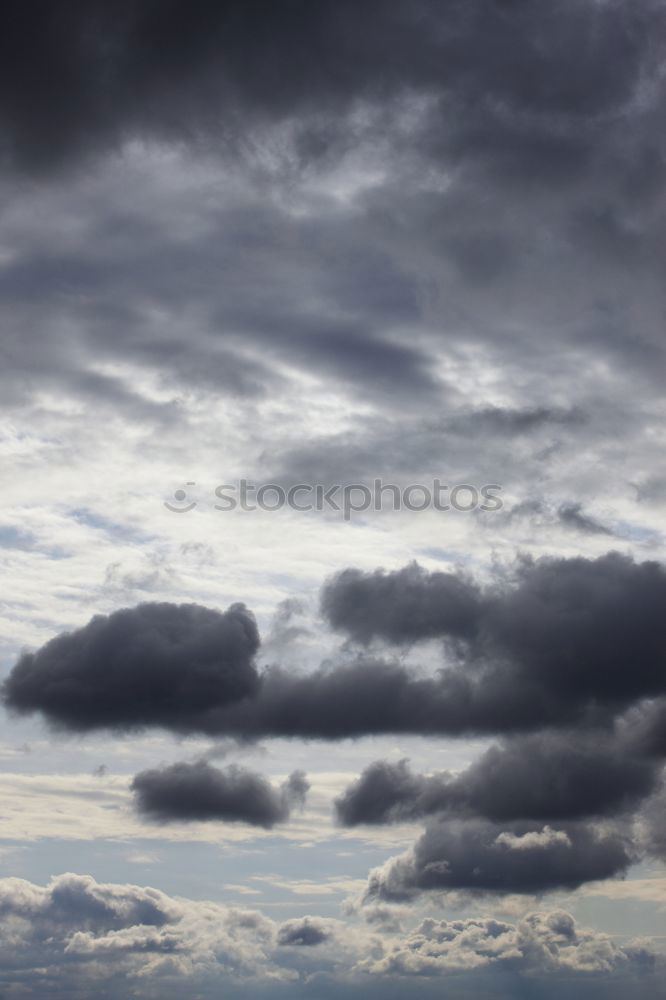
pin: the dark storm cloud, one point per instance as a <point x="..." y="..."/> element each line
<point x="482" y="857"/>
<point x="346" y="700"/>
<point x="566" y="630"/>
<point x="563" y="641"/>
<point x="387" y="792"/>
<point x="555" y="776"/>
<point x="179" y="666"/>
<point x="153" y="664"/>
<point x="498" y="101"/>
<point x="199" y="791"/>
<point x="406" y="606"/>
<point x="544" y="776"/>
<point x="305" y="932"/>
<point x="542" y="118"/>
<point x="88" y="75"/>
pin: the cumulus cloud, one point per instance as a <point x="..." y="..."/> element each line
<point x="548" y="940"/>
<point x="199" y="791"/>
<point x="406" y="606"/>
<point x="533" y="839"/>
<point x="563" y="633"/>
<point x="305" y="932"/>
<point x="480" y="857"/>
<point x="149" y="665"/>
<point x="77" y="936"/>
<point x="547" y="775"/>
<point x="75" y="932"/>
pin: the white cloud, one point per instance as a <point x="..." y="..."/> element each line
<point x="77" y="933"/>
<point x="534" y="839"/>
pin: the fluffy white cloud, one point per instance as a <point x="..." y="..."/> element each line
<point x="539" y="942"/>
<point x="77" y="934"/>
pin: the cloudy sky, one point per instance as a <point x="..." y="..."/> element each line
<point x="308" y="750"/>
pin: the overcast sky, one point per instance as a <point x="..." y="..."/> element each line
<point x="366" y="750"/>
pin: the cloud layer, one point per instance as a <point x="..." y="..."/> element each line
<point x="76" y="934"/>
<point x="104" y="77"/>
<point x="323" y="243"/>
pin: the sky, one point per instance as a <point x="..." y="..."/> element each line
<point x="332" y="633"/>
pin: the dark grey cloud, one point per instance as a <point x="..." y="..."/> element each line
<point x="482" y="857"/>
<point x="562" y="630"/>
<point x="387" y="792"/>
<point x="304" y="932"/>
<point x="67" y="681"/>
<point x="149" y="665"/>
<point x="406" y="606"/>
<point x="355" y="354"/>
<point x="561" y="642"/>
<point x="337" y="701"/>
<point x="544" y="776"/>
<point x="199" y="791"/>
<point x="552" y="159"/>
<point x="364" y="697"/>
<point x="555" y="776"/>
<point x="111" y="70"/>
<point x="224" y="322"/>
